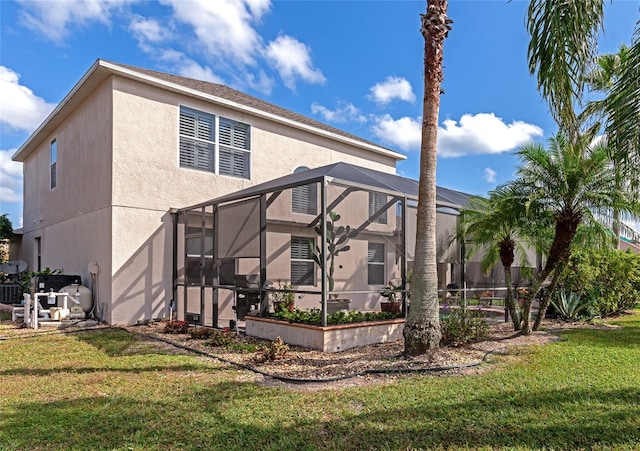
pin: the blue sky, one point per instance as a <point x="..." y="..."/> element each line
<point x="356" y="65"/>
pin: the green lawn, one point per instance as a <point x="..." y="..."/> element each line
<point x="103" y="390"/>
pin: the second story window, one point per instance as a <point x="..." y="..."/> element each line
<point x="53" y="178"/>
<point x="220" y="146"/>
<point x="235" y="144"/>
<point x="376" y="202"/>
<point x="304" y="199"/>
<point x="197" y="139"/>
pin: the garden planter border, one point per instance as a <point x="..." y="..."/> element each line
<point x="334" y="338"/>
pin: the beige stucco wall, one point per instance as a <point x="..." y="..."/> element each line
<point x="147" y="182"/>
<point x="73" y="221"/>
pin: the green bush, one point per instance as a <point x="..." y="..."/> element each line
<point x="275" y="350"/>
<point x="572" y="306"/>
<point x="610" y="278"/>
<point x="176" y="327"/>
<point x="314" y="316"/>
<point x="461" y="325"/>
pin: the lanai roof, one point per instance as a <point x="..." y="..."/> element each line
<point x="346" y="174"/>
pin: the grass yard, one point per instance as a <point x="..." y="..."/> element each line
<point x="105" y="390"/>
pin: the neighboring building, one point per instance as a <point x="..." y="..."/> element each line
<point x="126" y="147"/>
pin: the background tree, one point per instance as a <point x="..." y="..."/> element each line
<point x="6" y="234"/>
<point x="624" y="144"/>
<point x="422" y="327"/>
<point x="574" y="181"/>
<point x="501" y="227"/>
<point x="562" y="47"/>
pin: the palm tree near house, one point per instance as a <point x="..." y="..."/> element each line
<point x="624" y="153"/>
<point x="422" y="326"/>
<point x="573" y="180"/>
<point x="500" y="226"/>
<point x="562" y="47"/>
<point x="622" y="110"/>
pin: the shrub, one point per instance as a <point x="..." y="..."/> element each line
<point x="611" y="278"/>
<point x="461" y="325"/>
<point x="275" y="350"/>
<point x="176" y="327"/>
<point x="202" y="333"/>
<point x="572" y="306"/>
<point x="314" y="316"/>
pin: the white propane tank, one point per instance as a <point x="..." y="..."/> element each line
<point x="78" y="290"/>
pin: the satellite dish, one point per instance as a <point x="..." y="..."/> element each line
<point x="14" y="267"/>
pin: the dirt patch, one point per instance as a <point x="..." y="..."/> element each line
<point x="305" y="369"/>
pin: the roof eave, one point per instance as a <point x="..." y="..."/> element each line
<point x="101" y="69"/>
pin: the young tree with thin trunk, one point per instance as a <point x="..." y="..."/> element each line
<point x="501" y="227"/>
<point x="573" y="180"/>
<point x="422" y="327"/>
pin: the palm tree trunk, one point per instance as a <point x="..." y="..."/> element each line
<point x="546" y="299"/>
<point x="509" y="301"/>
<point x="566" y="227"/>
<point x="422" y="327"/>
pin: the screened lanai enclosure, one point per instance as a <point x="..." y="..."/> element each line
<point x="337" y="234"/>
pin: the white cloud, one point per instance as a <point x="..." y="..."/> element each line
<point x="483" y="133"/>
<point x="292" y="60"/>
<point x="490" y="175"/>
<point x="10" y="177"/>
<point x="149" y="32"/>
<point x="54" y="19"/>
<point x="21" y="109"/>
<point x="187" y="67"/>
<point x="224" y="27"/>
<point x="404" y="133"/>
<point x="345" y="112"/>
<point x="392" y="88"/>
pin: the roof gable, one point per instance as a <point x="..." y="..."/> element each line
<point x="211" y="92"/>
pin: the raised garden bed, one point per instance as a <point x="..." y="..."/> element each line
<point x="333" y="338"/>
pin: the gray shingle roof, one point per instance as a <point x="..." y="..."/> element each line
<point x="233" y="95"/>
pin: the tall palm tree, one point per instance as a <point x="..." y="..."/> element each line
<point x="422" y="327"/>
<point x="574" y="180"/>
<point x="622" y="106"/>
<point x="501" y="227"/>
<point x="563" y="42"/>
<point x="624" y="155"/>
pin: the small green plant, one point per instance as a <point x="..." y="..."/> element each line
<point x="27" y="277"/>
<point x="176" y="327"/>
<point x="283" y="300"/>
<point x="392" y="290"/>
<point x="461" y="325"/>
<point x="571" y="307"/>
<point x="275" y="350"/>
<point x="314" y="316"/>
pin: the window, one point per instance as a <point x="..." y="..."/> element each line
<point x="304" y="199"/>
<point x="235" y="145"/>
<point x="375" y="264"/>
<point x="302" y="264"/>
<point x="54" y="159"/>
<point x="38" y="254"/>
<point x="197" y="139"/>
<point x="376" y="202"/>
<point x="199" y="149"/>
